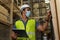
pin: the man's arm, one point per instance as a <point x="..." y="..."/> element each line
<point x="13" y="35"/>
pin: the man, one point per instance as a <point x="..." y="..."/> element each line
<point x="51" y="33"/>
<point x="28" y="25"/>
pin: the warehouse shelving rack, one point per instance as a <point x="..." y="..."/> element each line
<point x="7" y="9"/>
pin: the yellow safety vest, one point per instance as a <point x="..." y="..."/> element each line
<point x="30" y="28"/>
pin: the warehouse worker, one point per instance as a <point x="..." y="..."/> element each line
<point x="28" y="25"/>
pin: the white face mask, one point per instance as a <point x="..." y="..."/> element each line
<point x="28" y="13"/>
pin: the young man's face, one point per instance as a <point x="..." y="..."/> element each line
<point x="27" y="12"/>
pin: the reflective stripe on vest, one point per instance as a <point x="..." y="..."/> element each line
<point x="30" y="28"/>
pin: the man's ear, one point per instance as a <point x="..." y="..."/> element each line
<point x="24" y="11"/>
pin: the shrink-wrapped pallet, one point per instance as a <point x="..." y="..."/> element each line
<point x="3" y="18"/>
<point x="4" y="11"/>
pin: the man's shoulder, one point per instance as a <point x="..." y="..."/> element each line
<point x="31" y="19"/>
<point x="18" y="20"/>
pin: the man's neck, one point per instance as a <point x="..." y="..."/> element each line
<point x="24" y="18"/>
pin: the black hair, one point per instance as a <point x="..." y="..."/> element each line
<point x="22" y="10"/>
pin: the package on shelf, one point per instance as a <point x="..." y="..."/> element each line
<point x="36" y="5"/>
<point x="43" y="4"/>
<point x="36" y="12"/>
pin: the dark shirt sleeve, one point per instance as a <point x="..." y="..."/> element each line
<point x="14" y="28"/>
<point x="37" y="24"/>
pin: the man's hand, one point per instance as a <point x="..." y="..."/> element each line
<point x="43" y="27"/>
<point x="13" y="35"/>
